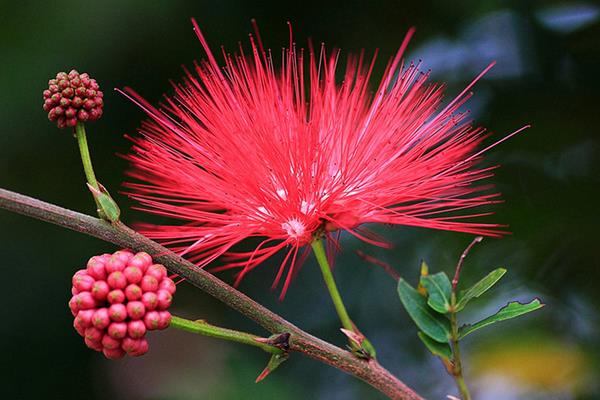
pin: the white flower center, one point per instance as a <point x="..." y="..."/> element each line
<point x="294" y="228"/>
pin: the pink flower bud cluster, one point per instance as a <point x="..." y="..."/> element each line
<point x="117" y="299"/>
<point x="71" y="98"/>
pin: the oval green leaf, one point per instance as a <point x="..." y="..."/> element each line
<point x="432" y="324"/>
<point x="441" y="350"/>
<point x="479" y="288"/>
<point x="511" y="310"/>
<point x="439" y="289"/>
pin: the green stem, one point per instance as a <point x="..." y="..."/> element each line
<point x="364" y="348"/>
<point x="204" y="328"/>
<point x="457" y="371"/>
<point x="86" y="159"/>
<point x="85" y="155"/>
<point x="105" y="205"/>
<point x="319" y="251"/>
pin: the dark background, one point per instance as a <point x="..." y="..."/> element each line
<point x="547" y="75"/>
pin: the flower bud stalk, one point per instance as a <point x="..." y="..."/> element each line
<point x="202" y="327"/>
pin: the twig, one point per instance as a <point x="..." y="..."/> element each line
<point x="461" y="260"/>
<point x="369" y="371"/>
<point x="456" y="366"/>
<point x="457" y="369"/>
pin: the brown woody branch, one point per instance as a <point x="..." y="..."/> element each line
<point x="369" y="371"/>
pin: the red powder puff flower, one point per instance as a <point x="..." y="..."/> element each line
<point x="287" y="154"/>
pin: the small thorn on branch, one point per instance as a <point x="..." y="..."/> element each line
<point x="275" y="361"/>
<point x="354" y="337"/>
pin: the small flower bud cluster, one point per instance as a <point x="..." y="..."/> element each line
<point x="71" y="98"/>
<point x="117" y="299"/>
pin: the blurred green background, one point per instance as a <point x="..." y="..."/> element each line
<point x="548" y="56"/>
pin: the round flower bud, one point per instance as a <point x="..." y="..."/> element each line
<point x="100" y="290"/>
<point x="110" y="343"/>
<point x="115" y="296"/>
<point x="95" y="113"/>
<point x="136" y="329"/>
<point x="116" y="280"/>
<point x="95" y="268"/>
<point x="164" y="299"/>
<point x="115" y="263"/>
<point x="145" y="257"/>
<point x="130" y="345"/>
<point x="82" y="282"/>
<point x="141" y="260"/>
<point x="73" y="306"/>
<point x="119" y="297"/>
<point x="152" y="320"/>
<point x="68" y="92"/>
<point x="80" y="324"/>
<point x="79" y="327"/>
<point x="93" y="345"/>
<point x="94" y="334"/>
<point x="141" y="350"/>
<point x="168" y="285"/>
<point x="70" y="122"/>
<point x="75" y="93"/>
<point x="164" y="319"/>
<point x="117" y="312"/>
<point x="123" y="255"/>
<point x="86" y="316"/>
<point x="89" y="103"/>
<point x="85" y="300"/>
<point x="136" y="310"/>
<point x="117" y="330"/>
<point x="149" y="284"/>
<point x="70" y="113"/>
<point x="133" y="292"/>
<point x="113" y="354"/>
<point x="158" y="271"/>
<point x="101" y="319"/>
<point x="133" y="274"/>
<point x="150" y="300"/>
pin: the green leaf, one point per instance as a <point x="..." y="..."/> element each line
<point x="479" y="288"/>
<point x="511" y="310"/>
<point x="432" y="324"/>
<point x="438" y="289"/>
<point x="441" y="350"/>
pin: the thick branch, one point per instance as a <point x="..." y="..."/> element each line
<point x="369" y="371"/>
